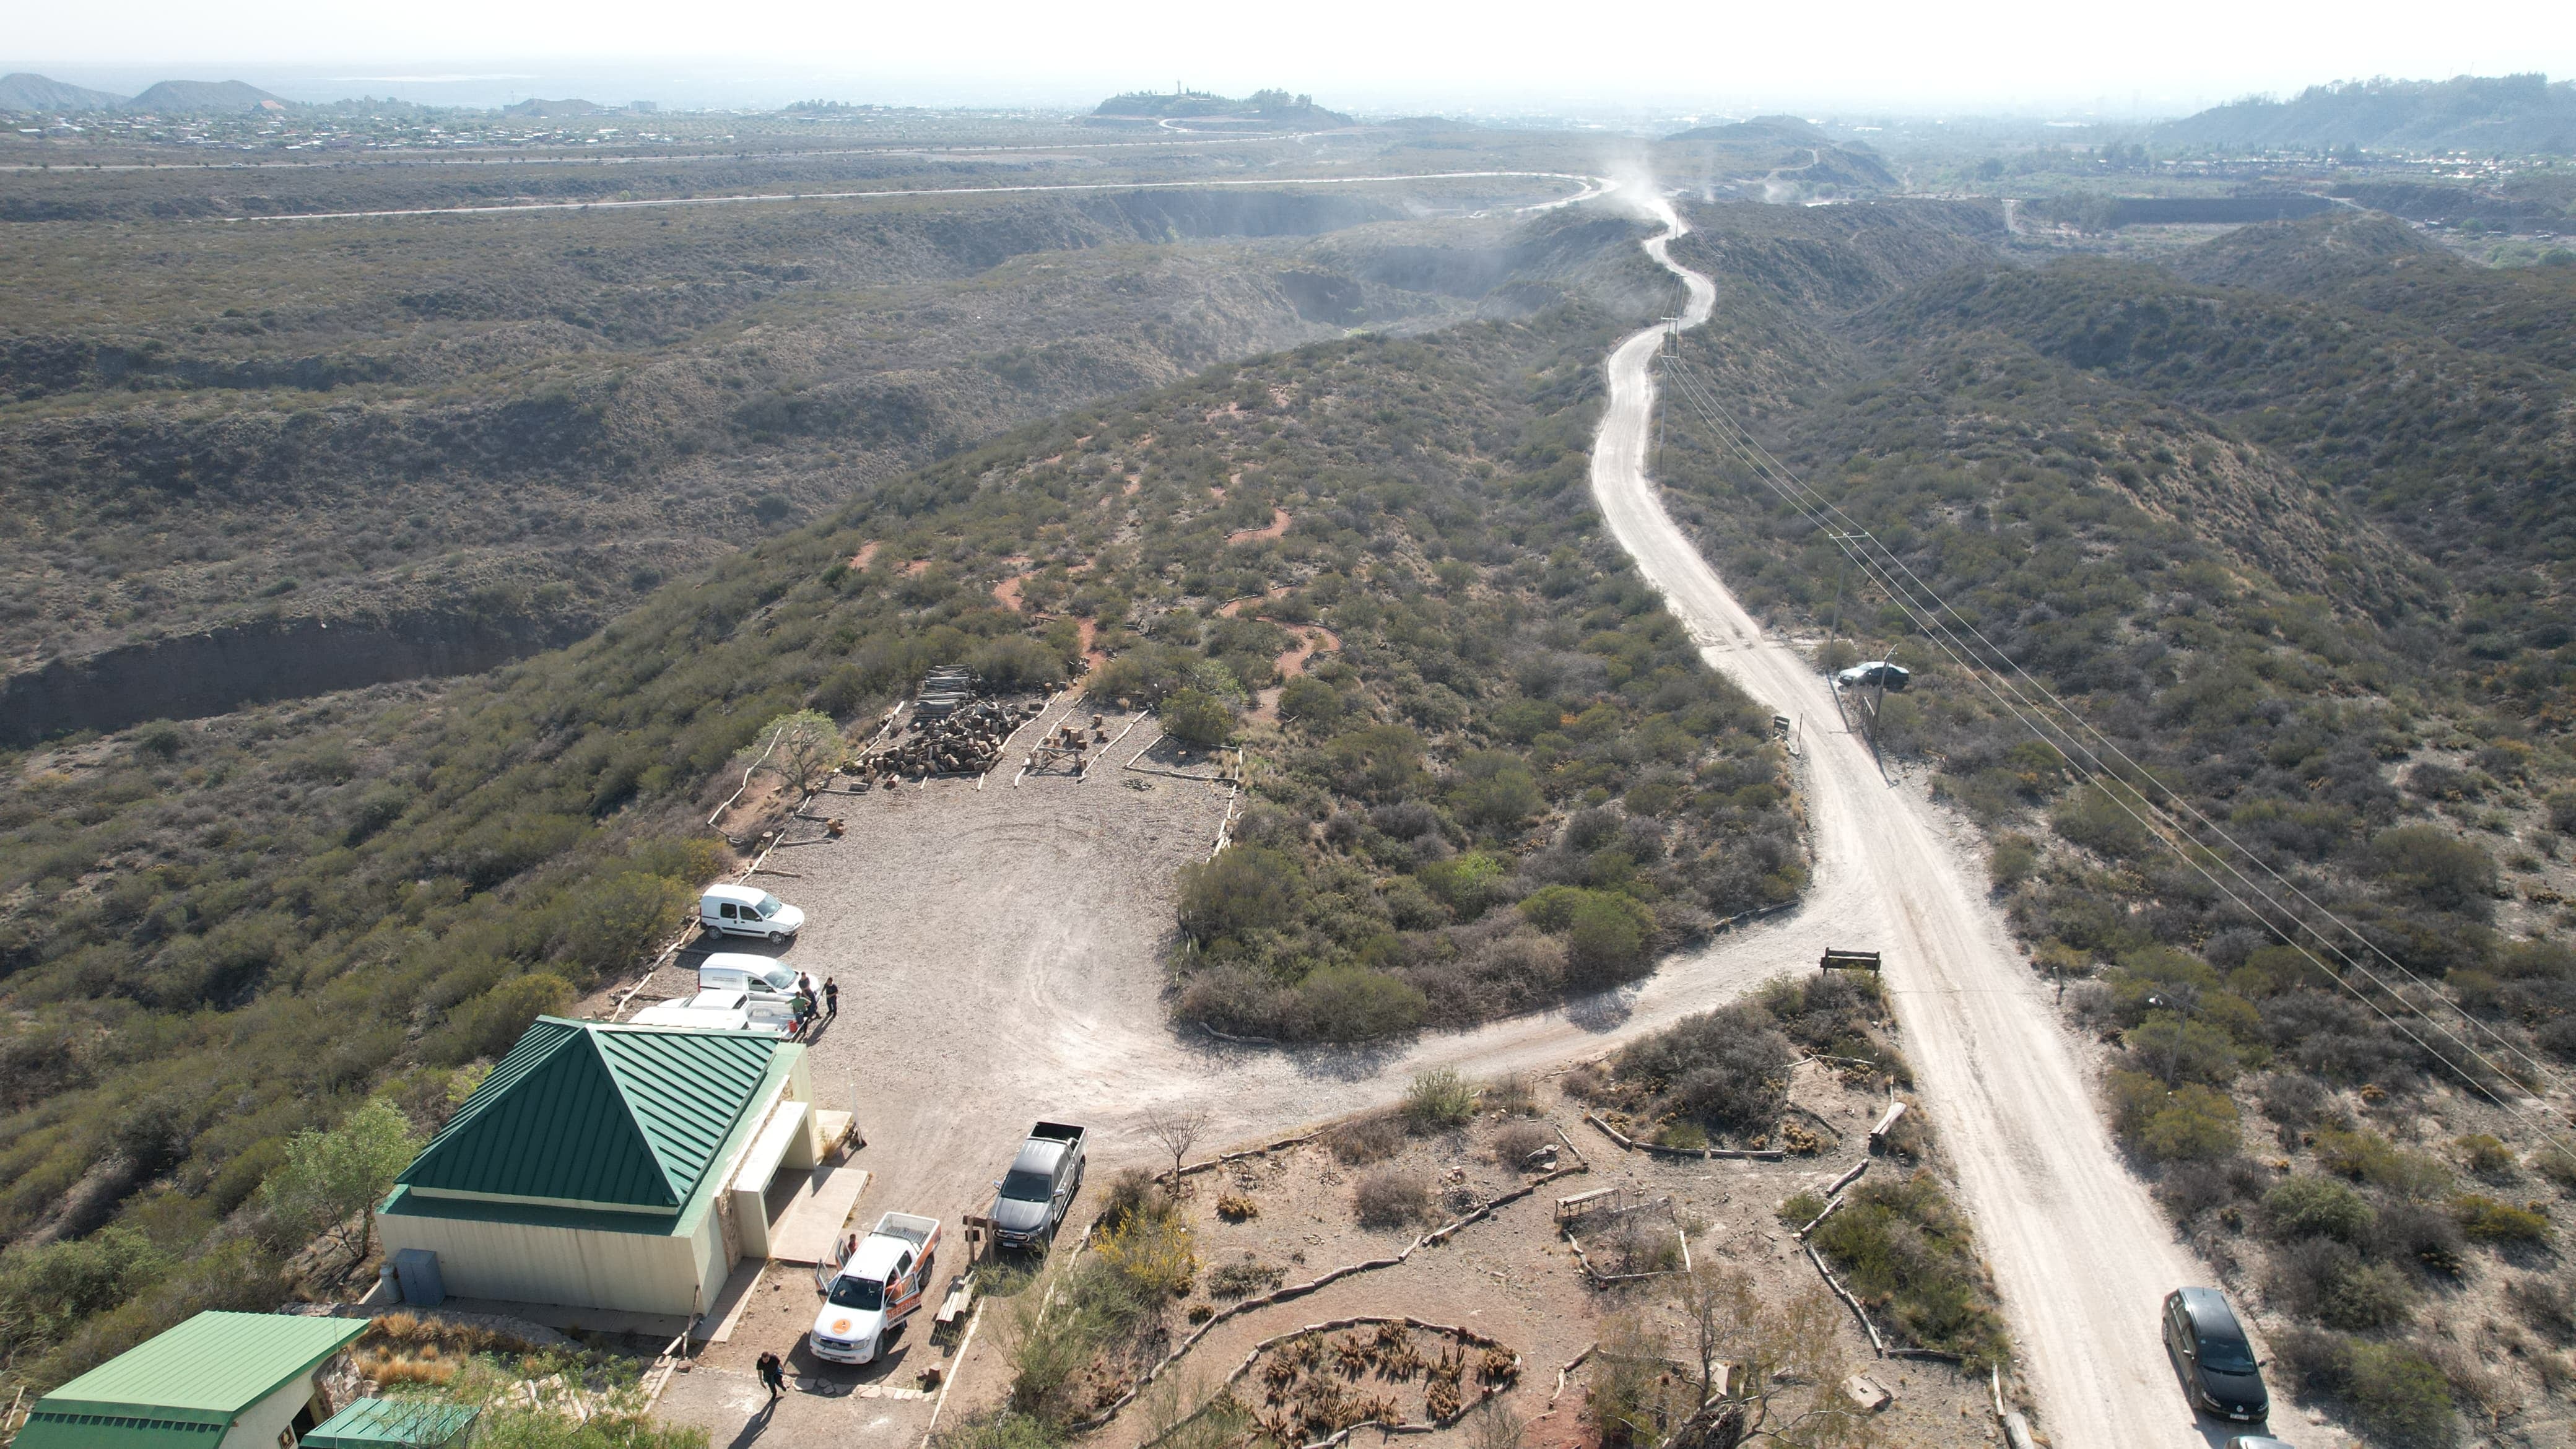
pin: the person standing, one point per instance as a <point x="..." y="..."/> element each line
<point x="831" y="999"/>
<point x="773" y="1373"/>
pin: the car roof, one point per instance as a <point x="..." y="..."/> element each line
<point x="757" y="965"/>
<point x="2209" y="1312"/>
<point x="718" y="999"/>
<point x="734" y="893"/>
<point x="876" y="1256"/>
<point x="1038" y="1155"/>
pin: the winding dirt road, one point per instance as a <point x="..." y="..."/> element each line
<point x="2080" y="1253"/>
<point x="995" y="948"/>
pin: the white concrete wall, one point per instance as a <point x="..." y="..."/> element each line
<point x="578" y="1267"/>
<point x="261" y="1423"/>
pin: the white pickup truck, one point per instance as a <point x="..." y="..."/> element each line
<point x="880" y="1284"/>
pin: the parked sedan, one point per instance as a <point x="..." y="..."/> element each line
<point x="2214" y="1357"/>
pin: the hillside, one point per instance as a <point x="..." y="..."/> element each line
<point x="2511" y="115"/>
<point x="22" y="91"/>
<point x="2257" y="536"/>
<point x="455" y="446"/>
<point x="406" y="877"/>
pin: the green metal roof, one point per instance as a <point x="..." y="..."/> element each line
<point x="376" y="1423"/>
<point x="59" y="1429"/>
<point x="587" y="1113"/>
<point x="204" y="1371"/>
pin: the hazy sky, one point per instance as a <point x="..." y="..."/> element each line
<point x="1375" y="54"/>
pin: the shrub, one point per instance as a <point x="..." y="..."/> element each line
<point x="2187" y="1123"/>
<point x="2435" y="868"/>
<point x="1363" y="1140"/>
<point x="1517" y="1142"/>
<point x="1438" y="1098"/>
<point x="1463" y="883"/>
<point x="1606" y="940"/>
<point x="1242" y="1278"/>
<point x="1727" y="1069"/>
<point x="2486" y="1220"/>
<point x="46" y="1290"/>
<point x="2400" y="1398"/>
<point x="1391" y="1198"/>
<point x="1246" y="888"/>
<point x="1130" y="1192"/>
<point x="487" y="1026"/>
<point x="1150" y="1254"/>
<point x="2485" y="1155"/>
<point x="1905" y="1246"/>
<point x="1353" y="1003"/>
<point x="617" y="922"/>
<point x="1309" y="701"/>
<point x="1196" y="717"/>
<point x="2307" y="1207"/>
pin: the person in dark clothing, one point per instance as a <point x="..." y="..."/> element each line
<point x="831" y="999"/>
<point x="773" y="1372"/>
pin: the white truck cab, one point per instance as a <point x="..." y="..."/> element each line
<point x="880" y="1284"/>
<point x="732" y="910"/>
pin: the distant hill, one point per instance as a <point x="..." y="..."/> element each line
<point x="184" y="97"/>
<point x="24" y="92"/>
<point x="2483" y="115"/>
<point x="1270" y="105"/>
<point x="1797" y="149"/>
<point x="570" y="106"/>
<point x="1788" y="130"/>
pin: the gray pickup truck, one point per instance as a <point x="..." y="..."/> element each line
<point x="1031" y="1199"/>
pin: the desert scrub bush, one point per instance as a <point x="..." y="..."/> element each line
<point x="1363" y="1140"/>
<point x="2394" y="1394"/>
<point x="2306" y="1207"/>
<point x="1509" y="1095"/>
<point x="1438" y="1099"/>
<point x="1150" y="1254"/>
<point x="2174" y="1124"/>
<point x="1726" y="1070"/>
<point x="1905" y="1249"/>
<point x="997" y="1429"/>
<point x="1515" y="1143"/>
<point x="1243" y="1277"/>
<point x="2485" y="1156"/>
<point x="1131" y="1192"/>
<point x="2485" y="1220"/>
<point x="1392" y="1198"/>
<point x="1236" y="1207"/>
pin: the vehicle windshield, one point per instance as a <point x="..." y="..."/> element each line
<point x="857" y="1293"/>
<point x="1025" y="1186"/>
<point x="2226" y="1355"/>
<point x="780" y="979"/>
<point x="769" y="905"/>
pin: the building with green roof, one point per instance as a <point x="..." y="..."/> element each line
<point x="217" y="1381"/>
<point x="609" y="1166"/>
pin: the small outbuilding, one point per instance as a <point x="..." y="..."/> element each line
<point x="392" y="1424"/>
<point x="217" y="1381"/>
<point x="609" y="1166"/>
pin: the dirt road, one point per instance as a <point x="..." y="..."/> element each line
<point x="2079" y="1251"/>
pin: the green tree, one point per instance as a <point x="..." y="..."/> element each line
<point x="329" y="1176"/>
<point x="797" y="749"/>
<point x="1196" y="717"/>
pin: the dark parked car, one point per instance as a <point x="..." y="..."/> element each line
<point x="2213" y="1356"/>
<point x="1030" y="1201"/>
<point x="1891" y="677"/>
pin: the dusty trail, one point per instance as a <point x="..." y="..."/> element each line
<point x="2079" y="1252"/>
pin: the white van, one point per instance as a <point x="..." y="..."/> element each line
<point x="759" y="975"/>
<point x="732" y="910"/>
<point x="724" y="1011"/>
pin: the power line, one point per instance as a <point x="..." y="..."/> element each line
<point x="1924" y="607"/>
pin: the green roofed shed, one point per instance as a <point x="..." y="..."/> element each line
<point x="608" y="1165"/>
<point x="217" y="1381"/>
<point x="583" y="1116"/>
<point x="392" y="1424"/>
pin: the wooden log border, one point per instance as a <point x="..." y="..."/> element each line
<point x="1657" y="1149"/>
<point x="1294" y="1291"/>
<point x="1336" y="1325"/>
<point x="1213" y="1163"/>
